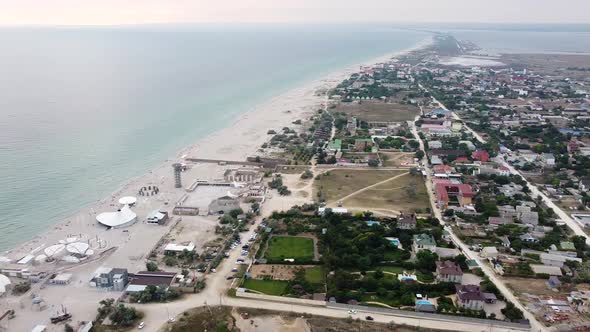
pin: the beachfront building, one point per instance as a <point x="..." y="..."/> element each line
<point x="223" y="205"/>
<point x="119" y="219"/>
<point x="173" y="248"/>
<point x="114" y="279"/>
<point x="158" y="217"/>
<point x="140" y="280"/>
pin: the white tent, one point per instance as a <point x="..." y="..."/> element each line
<point x="4" y="283"/>
<point x="54" y="250"/>
<point x="122" y="218"/>
<point x="79" y="248"/>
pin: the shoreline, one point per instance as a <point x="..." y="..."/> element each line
<point x="236" y="141"/>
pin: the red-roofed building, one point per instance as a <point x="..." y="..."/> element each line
<point x="460" y="194"/>
<point x="442" y="169"/>
<point x="572" y="146"/>
<point x="462" y="160"/>
<point x="503" y="171"/>
<point x="481" y="155"/>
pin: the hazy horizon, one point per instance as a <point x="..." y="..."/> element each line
<point x="133" y="12"/>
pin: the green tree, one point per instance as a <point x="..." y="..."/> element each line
<point x="151" y="266"/>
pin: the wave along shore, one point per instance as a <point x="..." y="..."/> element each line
<point x="235" y="142"/>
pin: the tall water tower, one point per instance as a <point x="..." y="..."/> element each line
<point x="177" y="169"/>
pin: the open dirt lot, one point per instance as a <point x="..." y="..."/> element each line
<point x="378" y="111"/>
<point x="397" y="159"/>
<point x="405" y="193"/>
<point x="336" y="184"/>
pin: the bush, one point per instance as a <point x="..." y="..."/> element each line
<point x="307" y="174"/>
<point x="124" y="316"/>
<point x="151" y="266"/>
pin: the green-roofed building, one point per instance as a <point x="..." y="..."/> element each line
<point x="424" y="242"/>
<point x="335" y="145"/>
<point x="471" y="264"/>
<point x="567" y="245"/>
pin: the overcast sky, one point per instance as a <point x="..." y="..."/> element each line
<point x="102" y="12"/>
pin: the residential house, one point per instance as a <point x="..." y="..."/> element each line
<point x="448" y="271"/>
<point x="489" y="252"/>
<point x="406" y="221"/>
<point x="423" y="242"/>
<point x="434" y="144"/>
<point x="584" y="185"/>
<point x="548" y="159"/>
<point x="495" y="222"/>
<point x="481" y="155"/>
<point x="556" y="260"/>
<point x="470" y="297"/>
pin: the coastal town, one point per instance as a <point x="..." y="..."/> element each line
<point x="440" y="189"/>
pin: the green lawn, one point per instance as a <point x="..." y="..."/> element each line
<point x="269" y="287"/>
<point x="395" y="255"/>
<point x="280" y="247"/>
<point x="315" y="275"/>
<point x="392" y="269"/>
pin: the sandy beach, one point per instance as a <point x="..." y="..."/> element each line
<point x="128" y="247"/>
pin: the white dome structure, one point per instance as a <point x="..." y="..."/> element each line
<point x="54" y="250"/>
<point x="123" y="218"/>
<point x="78" y="248"/>
<point x="4" y="283"/>
<point x="128" y="200"/>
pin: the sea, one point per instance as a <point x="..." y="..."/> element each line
<point x="84" y="109"/>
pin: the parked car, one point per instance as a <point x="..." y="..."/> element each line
<point x="369" y="318"/>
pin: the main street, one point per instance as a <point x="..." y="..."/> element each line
<point x="535" y="192"/>
<point x="485" y="266"/>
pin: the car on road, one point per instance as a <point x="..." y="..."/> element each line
<point x="352" y="312"/>
<point x="141" y="325"/>
<point x="213" y="270"/>
<point x="369" y="318"/>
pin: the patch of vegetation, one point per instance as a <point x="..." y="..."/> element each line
<point x="269" y="287"/>
<point x="283" y="247"/>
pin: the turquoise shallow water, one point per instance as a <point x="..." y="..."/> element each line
<point x="82" y="110"/>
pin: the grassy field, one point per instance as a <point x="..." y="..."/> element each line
<point x="315" y="275"/>
<point x="269" y="287"/>
<point x="379" y="111"/>
<point x="406" y="193"/>
<point x="392" y="269"/>
<point x="339" y="183"/>
<point x="289" y="247"/>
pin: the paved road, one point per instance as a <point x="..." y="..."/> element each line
<point x="485" y="266"/>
